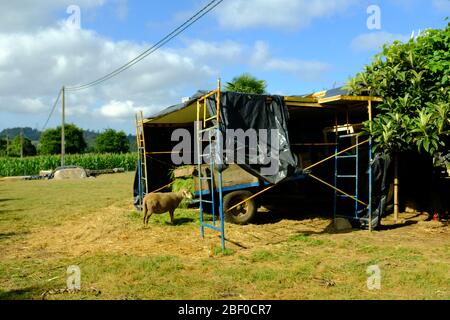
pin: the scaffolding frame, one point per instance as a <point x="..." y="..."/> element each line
<point x="337" y="153"/>
<point x="317" y="101"/>
<point x="215" y="185"/>
<point x="142" y="159"/>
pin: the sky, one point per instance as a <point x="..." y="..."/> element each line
<point x="297" y="46"/>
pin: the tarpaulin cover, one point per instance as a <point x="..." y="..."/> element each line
<point x="247" y="111"/>
<point x="381" y="179"/>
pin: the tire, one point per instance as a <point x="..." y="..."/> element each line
<point x="244" y="213"/>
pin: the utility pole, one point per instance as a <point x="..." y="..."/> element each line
<point x="63" y="120"/>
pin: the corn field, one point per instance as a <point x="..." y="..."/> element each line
<point x="31" y="166"/>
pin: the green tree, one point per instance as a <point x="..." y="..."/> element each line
<point x="413" y="78"/>
<point x="14" y="147"/>
<point x="50" y="141"/>
<point x="246" y="83"/>
<point x="3" y="145"/>
<point x="112" y="141"/>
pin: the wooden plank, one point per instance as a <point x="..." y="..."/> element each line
<point x="184" y="172"/>
<point x="232" y="176"/>
<point x="349" y="98"/>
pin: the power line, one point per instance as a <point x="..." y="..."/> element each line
<point x="201" y="13"/>
<point x="53" y="110"/>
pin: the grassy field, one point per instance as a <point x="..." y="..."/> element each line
<point x="46" y="226"/>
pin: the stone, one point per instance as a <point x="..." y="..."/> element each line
<point x="45" y="173"/>
<point x="70" y="173"/>
<point x="341" y="224"/>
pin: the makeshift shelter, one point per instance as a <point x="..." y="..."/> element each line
<point x="319" y="136"/>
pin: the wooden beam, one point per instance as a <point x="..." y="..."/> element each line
<point x="350" y="98"/>
<point x="396" y="202"/>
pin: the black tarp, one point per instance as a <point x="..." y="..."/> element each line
<point x="258" y="112"/>
<point x="382" y="177"/>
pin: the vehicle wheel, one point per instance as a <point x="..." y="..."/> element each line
<point x="243" y="213"/>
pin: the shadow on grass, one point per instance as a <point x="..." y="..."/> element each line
<point x="8" y="235"/>
<point x="275" y="215"/>
<point x="21" y="294"/>
<point x="10" y="210"/>
<point x="181" y="221"/>
<point x="396" y="226"/>
<point x="9" y="199"/>
<point x="6" y="200"/>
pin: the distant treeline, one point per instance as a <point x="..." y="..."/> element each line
<point x="34" y="136"/>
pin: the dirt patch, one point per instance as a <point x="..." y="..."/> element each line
<point x="112" y="230"/>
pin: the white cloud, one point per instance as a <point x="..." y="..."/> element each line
<point x="33" y="66"/>
<point x="375" y="40"/>
<point x="229" y="51"/>
<point x="442" y="6"/>
<point x="26" y="15"/>
<point x="121" y="109"/>
<point x="240" y="14"/>
<point x="305" y="70"/>
<point x="39" y="54"/>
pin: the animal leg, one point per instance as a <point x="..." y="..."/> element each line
<point x="148" y="217"/>
<point x="145" y="212"/>
<point x="171" y="216"/>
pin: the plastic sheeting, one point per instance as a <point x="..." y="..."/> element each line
<point x="271" y="159"/>
<point x="382" y="177"/>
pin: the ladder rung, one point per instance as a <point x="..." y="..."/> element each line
<point x="346" y="196"/>
<point x="211" y="118"/>
<point x="207" y="129"/>
<point x="205" y="201"/>
<point x="346" y="157"/>
<point x="351" y="135"/>
<point x="207" y="225"/>
<point x="205" y="178"/>
<point x="346" y="176"/>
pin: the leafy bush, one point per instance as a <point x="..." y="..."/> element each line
<point x="413" y="78"/>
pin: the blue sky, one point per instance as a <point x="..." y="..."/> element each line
<point x="297" y="46"/>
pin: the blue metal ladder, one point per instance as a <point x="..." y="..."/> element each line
<point x="215" y="188"/>
<point x="337" y="176"/>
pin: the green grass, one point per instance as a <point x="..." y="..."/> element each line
<point x="33" y="204"/>
<point x="46" y="226"/>
<point x="305" y="238"/>
<point x="183" y="183"/>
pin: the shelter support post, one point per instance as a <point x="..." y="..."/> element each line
<point x="369" y="109"/>
<point x="210" y="126"/>
<point x="396" y="183"/>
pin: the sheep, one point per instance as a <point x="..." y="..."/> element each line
<point x="162" y="202"/>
